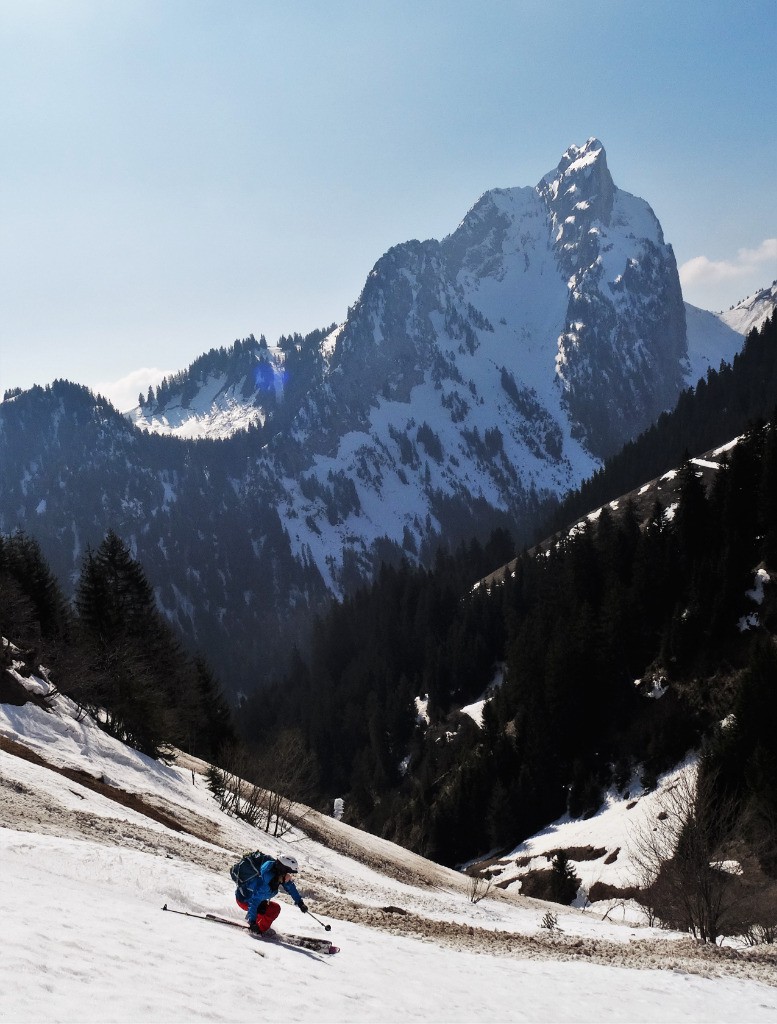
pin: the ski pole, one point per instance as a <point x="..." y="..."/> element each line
<point x="326" y="927"/>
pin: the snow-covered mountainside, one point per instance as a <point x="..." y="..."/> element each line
<point x="228" y="390"/>
<point x="474" y="381"/>
<point x="217" y="411"/>
<point x="751" y="312"/>
<point x="567" y="288"/>
<point x="95" y="839"/>
<point x="489" y="371"/>
<point x="717" y="337"/>
<point x="710" y="342"/>
<point x="493" y="367"/>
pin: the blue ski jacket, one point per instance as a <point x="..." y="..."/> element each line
<point x="264" y="887"/>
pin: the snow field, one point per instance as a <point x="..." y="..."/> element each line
<point x="92" y="944"/>
<point x="83" y="880"/>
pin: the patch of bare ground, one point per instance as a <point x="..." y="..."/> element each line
<point x="33" y="808"/>
<point x="685" y="955"/>
<point x="381" y="855"/>
<point x="12" y="692"/>
<point x="577" y="853"/>
<point x="26" y="810"/>
<point x="119" y="796"/>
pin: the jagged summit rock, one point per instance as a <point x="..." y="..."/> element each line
<point x="580" y="189"/>
<point x="579" y="274"/>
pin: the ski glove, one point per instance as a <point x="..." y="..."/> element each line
<point x="302" y="907"/>
<point x="262" y="908"/>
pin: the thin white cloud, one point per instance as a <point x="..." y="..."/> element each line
<point x="766" y="251"/>
<point x="123" y="393"/>
<point x="701" y="271"/>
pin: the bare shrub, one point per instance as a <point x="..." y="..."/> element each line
<point x="618" y="905"/>
<point x="755" y="917"/>
<point x="761" y="934"/>
<point x="287" y="770"/>
<point x="265" y="790"/>
<point x="479" y="888"/>
<point x="230" y="786"/>
<point x="681" y="875"/>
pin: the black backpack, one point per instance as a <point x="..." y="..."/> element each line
<point x="248" y="867"/>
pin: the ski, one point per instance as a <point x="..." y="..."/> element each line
<point x="302" y="942"/>
<point x="298" y="941"/>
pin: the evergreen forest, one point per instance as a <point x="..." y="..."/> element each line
<point x="712" y="413"/>
<point x="612" y="649"/>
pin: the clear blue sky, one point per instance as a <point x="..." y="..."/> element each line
<point x="179" y="173"/>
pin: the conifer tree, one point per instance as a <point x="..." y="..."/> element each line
<point x="564" y="881"/>
<point x="767" y="503"/>
<point x="129" y="647"/>
<point x="212" y="729"/>
<point x="33" y="609"/>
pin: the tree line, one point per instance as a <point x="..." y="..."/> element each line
<point x="111" y="650"/>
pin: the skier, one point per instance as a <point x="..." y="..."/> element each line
<point x="255" y="896"/>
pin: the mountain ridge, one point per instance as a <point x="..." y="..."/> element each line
<point x="475" y="381"/>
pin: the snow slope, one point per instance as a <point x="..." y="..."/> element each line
<point x="717" y="337"/>
<point x="751" y="312"/>
<point x="711" y="341"/>
<point x="610" y="833"/>
<point x="84" y="879"/>
<point x="217" y="411"/>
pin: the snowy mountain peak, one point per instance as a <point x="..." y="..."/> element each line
<point x="579" y="158"/>
<point x="625" y="321"/>
<point x="581" y="183"/>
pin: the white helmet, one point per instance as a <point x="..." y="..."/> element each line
<point x="289" y="862"/>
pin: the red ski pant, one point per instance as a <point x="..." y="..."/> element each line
<point x="266" y="919"/>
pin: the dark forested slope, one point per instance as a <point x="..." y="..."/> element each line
<point x="719" y="408"/>
<point x="579" y="642"/>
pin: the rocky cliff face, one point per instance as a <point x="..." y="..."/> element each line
<point x="622" y="352"/>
